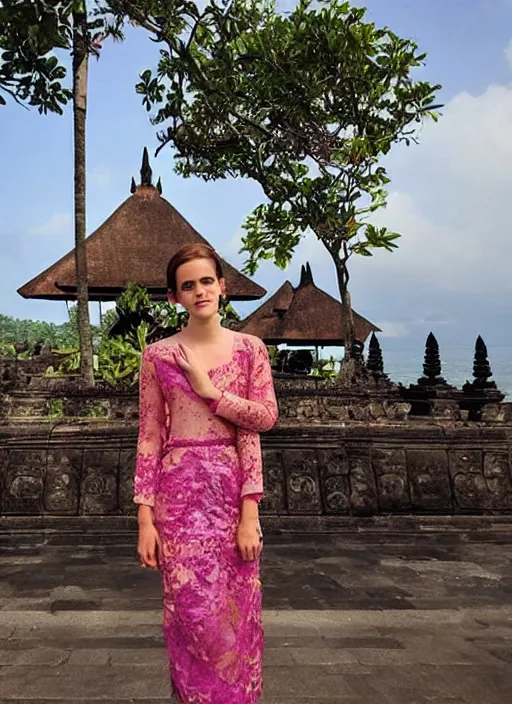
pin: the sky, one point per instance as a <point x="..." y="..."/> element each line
<point x="450" y="196"/>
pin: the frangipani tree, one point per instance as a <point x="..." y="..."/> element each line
<point x="306" y="104"/>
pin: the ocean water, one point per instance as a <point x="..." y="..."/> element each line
<point x="457" y="365"/>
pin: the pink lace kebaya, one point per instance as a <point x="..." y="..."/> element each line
<point x="196" y="461"/>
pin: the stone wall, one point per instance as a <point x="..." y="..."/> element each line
<point x="66" y="452"/>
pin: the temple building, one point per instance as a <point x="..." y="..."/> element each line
<point x="138" y="239"/>
<point x="304" y="315"/>
<point x="133" y="244"/>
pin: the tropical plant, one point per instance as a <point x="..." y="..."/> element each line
<point x="7" y="350"/>
<point x="134" y="307"/>
<point x="55" y="408"/>
<point x="80" y="54"/>
<point x="118" y="362"/>
<point x="305" y="104"/>
<point x="98" y="410"/>
<point x="325" y="368"/>
<point x="272" y="354"/>
<point x="29" y="30"/>
<point x="119" y="340"/>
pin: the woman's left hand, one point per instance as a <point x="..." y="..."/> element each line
<point x="248" y="539"/>
<point x="197" y="376"/>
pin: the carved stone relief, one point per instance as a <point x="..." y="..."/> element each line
<point x="429" y="480"/>
<point x="392" y="482"/>
<point x="498" y="476"/>
<point x="274" y="496"/>
<point x="23" y="488"/>
<point x="126" y="474"/>
<point x="334" y="480"/>
<point x="4" y="466"/>
<point x="98" y="492"/>
<point x="62" y="481"/>
<point x="481" y="480"/>
<point x="301" y="468"/>
<point x="363" y="490"/>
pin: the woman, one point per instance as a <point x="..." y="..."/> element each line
<point x="205" y="395"/>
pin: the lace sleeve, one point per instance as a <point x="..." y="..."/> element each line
<point x="258" y="412"/>
<point x="254" y="497"/>
<point x="249" y="453"/>
<point x="152" y="420"/>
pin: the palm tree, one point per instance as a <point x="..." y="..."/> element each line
<point x="28" y="32"/>
<point x="80" y="73"/>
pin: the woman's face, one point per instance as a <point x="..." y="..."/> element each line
<point x="198" y="288"/>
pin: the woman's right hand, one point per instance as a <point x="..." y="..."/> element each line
<point x="149" y="546"/>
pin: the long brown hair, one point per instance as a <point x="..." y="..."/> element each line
<point x="186" y="254"/>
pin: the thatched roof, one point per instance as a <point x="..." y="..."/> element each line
<point x="133" y="244"/>
<point x="305" y="315"/>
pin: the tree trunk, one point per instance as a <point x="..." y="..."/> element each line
<point x="346" y="303"/>
<point x="80" y="69"/>
<point x="350" y="370"/>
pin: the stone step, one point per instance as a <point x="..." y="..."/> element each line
<point x="284" y="623"/>
<point x="165" y="700"/>
<point x="36" y="530"/>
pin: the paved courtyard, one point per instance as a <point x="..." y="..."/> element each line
<point x="354" y="618"/>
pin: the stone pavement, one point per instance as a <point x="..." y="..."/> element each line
<point x="349" y="619"/>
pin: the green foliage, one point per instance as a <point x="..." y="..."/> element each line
<point x="228" y="315"/>
<point x="32" y="332"/>
<point x="325" y="368"/>
<point x="69" y="336"/>
<point x="118" y="362"/>
<point x="272" y="354"/>
<point x="55" y="408"/>
<point x="108" y="319"/>
<point x="71" y="361"/>
<point x="117" y="357"/>
<point x="29" y="31"/>
<point x="133" y="298"/>
<point x="7" y="349"/>
<point x="306" y="104"/>
<point x="14" y="330"/>
<point x="97" y="411"/>
<point x="144" y="321"/>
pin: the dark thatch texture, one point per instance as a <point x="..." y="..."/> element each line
<point x="303" y="316"/>
<point x="133" y="244"/>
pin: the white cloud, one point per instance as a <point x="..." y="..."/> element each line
<point x="451" y="199"/>
<point x="402" y="328"/>
<point x="452" y="202"/>
<point x="59" y="224"/>
<point x="392" y="329"/>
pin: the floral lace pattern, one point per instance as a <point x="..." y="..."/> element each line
<point x="195" y="463"/>
<point x="169" y="408"/>
<point x="257" y="411"/>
